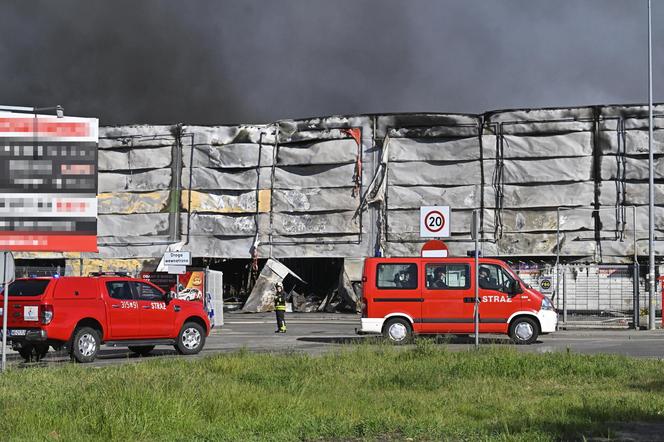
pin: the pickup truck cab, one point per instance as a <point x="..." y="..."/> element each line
<point x="82" y="313"/>
<point x="406" y="296"/>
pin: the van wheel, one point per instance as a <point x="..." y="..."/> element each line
<point x="191" y="339"/>
<point x="85" y="345"/>
<point x="142" y="350"/>
<point x="524" y="331"/>
<point x="397" y="331"/>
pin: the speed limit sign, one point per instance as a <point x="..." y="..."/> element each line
<point x="435" y="221"/>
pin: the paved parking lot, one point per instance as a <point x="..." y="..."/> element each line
<point x="317" y="333"/>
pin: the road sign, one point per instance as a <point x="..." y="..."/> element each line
<point x="177" y="270"/>
<point x="434" y="248"/>
<point x="7" y="264"/>
<point x="434" y="221"/>
<point x="177" y="259"/>
<point x="546" y="284"/>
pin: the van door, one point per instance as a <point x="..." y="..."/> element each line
<point x="496" y="305"/>
<point x="447" y="293"/>
<point x="122" y="310"/>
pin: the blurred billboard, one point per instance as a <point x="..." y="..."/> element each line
<point x="48" y="183"/>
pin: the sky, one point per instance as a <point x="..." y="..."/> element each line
<point x="258" y="61"/>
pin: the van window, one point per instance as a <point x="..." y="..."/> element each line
<point x="448" y="276"/>
<point x="494" y="277"/>
<point x="396" y="276"/>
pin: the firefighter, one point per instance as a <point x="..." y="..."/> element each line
<point x="280" y="307"/>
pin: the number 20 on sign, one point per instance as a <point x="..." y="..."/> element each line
<point x="434" y="221"/>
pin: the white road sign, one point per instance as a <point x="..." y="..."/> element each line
<point x="7" y="266"/>
<point x="176" y="270"/>
<point x="434" y="221"/>
<point x="177" y="259"/>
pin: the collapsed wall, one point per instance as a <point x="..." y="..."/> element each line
<point x="350" y="187"/>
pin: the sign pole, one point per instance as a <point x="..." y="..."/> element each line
<point x="477" y="280"/>
<point x="5" y="296"/>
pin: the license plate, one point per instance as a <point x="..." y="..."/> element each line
<point x="16" y="332"/>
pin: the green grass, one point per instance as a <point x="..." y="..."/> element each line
<point x="367" y="392"/>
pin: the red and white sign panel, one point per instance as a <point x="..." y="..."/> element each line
<point x="48" y="183"/>
<point x="434" y="248"/>
<point x="434" y="221"/>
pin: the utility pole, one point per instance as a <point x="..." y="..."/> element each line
<point x="651" y="187"/>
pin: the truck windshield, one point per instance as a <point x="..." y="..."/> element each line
<point x="27" y="287"/>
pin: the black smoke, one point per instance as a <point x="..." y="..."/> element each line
<point x="217" y="62"/>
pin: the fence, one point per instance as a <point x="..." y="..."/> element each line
<point x="593" y="293"/>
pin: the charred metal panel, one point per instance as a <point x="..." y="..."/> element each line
<point x="575" y="144"/>
<point x="134" y="159"/>
<point x="558" y="170"/>
<point x="321" y="152"/>
<point x="434" y="149"/>
<point x="548" y="195"/>
<point x="132" y="202"/>
<point x="158" y="179"/>
<point x="426" y="174"/>
<point x="226" y="201"/>
<point x="333" y="223"/>
<point x="133" y="225"/>
<point x="238" y="155"/>
<point x="225" y="179"/>
<point x="412" y="197"/>
<point x="314" y="200"/>
<point x="223" y="224"/>
<point x="327" y="176"/>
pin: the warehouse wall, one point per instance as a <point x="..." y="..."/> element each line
<point x="352" y="186"/>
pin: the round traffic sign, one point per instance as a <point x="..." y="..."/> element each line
<point x="434" y="221"/>
<point x="545" y="284"/>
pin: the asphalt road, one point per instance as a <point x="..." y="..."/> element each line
<point x="318" y="333"/>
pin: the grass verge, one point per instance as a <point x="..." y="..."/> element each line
<point x="368" y="392"/>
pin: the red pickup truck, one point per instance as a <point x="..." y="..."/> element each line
<point x="80" y="314"/>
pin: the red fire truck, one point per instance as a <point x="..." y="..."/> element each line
<point x="82" y="313"/>
<point x="406" y="296"/>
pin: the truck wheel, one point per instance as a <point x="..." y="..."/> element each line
<point x="142" y="350"/>
<point x="397" y="331"/>
<point x="85" y="345"/>
<point x="523" y="331"/>
<point x="190" y="339"/>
